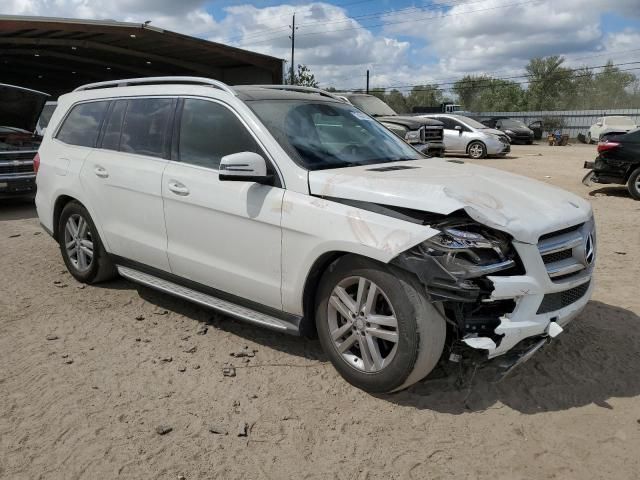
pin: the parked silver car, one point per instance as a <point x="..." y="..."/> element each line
<point x="465" y="135"/>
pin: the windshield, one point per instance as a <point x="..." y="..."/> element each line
<point x="372" y="105"/>
<point x="511" y="123"/>
<point x="321" y="135"/>
<point x="620" y="121"/>
<point x="45" y="116"/>
<point x="470" y="122"/>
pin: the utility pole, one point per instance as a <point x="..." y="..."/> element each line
<point x="293" y="46"/>
<point x="367" y="82"/>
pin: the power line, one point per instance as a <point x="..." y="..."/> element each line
<point x="413" y="20"/>
<point x="487" y="83"/>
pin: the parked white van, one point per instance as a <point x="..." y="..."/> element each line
<point x="297" y="212"/>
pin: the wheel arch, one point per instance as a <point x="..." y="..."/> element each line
<point x="58" y="206"/>
<point x="475" y="140"/>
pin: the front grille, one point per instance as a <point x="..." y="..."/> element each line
<point x="558" y="256"/>
<point x="556" y="301"/>
<point x="8" y="168"/>
<point x="432" y="133"/>
<point x="563" y="252"/>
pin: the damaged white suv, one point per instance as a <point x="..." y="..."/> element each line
<point x="287" y="208"/>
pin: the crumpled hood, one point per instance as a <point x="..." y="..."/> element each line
<point x="520" y="206"/>
<point x="20" y="107"/>
<point x="412" y="123"/>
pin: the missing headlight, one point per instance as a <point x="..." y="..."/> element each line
<point x="452" y="264"/>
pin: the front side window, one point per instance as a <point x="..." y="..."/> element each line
<point x="209" y="131"/>
<point x="82" y="125"/>
<point x="145" y="126"/>
<point x="320" y="134"/>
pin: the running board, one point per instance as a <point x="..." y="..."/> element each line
<point x="223" y="306"/>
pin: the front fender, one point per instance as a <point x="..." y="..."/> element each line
<point x="312" y="227"/>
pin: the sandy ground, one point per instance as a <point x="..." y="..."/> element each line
<point x="87" y="404"/>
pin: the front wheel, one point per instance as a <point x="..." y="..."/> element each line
<point x="376" y="326"/>
<point x="477" y="150"/>
<point x="633" y="185"/>
<point x="81" y="248"/>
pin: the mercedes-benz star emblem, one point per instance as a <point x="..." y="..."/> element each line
<point x="589" y="250"/>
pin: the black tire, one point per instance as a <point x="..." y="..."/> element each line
<point x="477" y="150"/>
<point x="529" y="142"/>
<point x="421" y="329"/>
<point x="100" y="268"/>
<point x="633" y="184"/>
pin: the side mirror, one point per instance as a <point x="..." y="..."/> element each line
<point x="458" y="128"/>
<point x="599" y="124"/>
<point x="244" y="167"/>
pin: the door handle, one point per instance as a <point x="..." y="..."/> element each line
<point x="178" y="188"/>
<point x="100" y="172"/>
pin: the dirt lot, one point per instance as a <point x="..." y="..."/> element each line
<point x="122" y="360"/>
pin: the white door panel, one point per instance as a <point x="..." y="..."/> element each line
<point x="125" y="189"/>
<point x="224" y="234"/>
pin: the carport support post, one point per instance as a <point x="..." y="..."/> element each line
<point x="367" y="82"/>
<point x="293" y="46"/>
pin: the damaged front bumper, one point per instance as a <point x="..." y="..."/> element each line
<point x="549" y="285"/>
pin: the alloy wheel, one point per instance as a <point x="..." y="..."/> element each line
<point x="475" y="150"/>
<point x="363" y="324"/>
<point x="78" y="242"/>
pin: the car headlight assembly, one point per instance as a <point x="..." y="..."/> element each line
<point x="509" y="132"/>
<point x="469" y="251"/>
<point x="412" y="136"/>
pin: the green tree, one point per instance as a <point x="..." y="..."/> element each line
<point x="397" y="101"/>
<point x="378" y="92"/>
<point x="468" y="90"/>
<point x="549" y="83"/>
<point x="613" y="88"/>
<point x="425" y="96"/>
<point x="302" y="77"/>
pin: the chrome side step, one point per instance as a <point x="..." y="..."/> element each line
<point x="223" y="306"/>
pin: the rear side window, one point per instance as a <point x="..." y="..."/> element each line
<point x="113" y="126"/>
<point x="82" y="125"/>
<point x="145" y="126"/>
<point x="209" y="131"/>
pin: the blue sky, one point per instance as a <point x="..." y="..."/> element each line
<point x="401" y="42"/>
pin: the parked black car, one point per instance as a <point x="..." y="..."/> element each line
<point x="20" y="109"/>
<point x="425" y="134"/>
<point x="517" y="131"/>
<point x="618" y="162"/>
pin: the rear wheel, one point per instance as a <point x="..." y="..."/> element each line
<point x="376" y="326"/>
<point x="81" y="248"/>
<point x="477" y="150"/>
<point x="633" y="185"/>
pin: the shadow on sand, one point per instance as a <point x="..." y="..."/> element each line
<point x="595" y="359"/>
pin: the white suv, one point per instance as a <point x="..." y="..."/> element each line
<point x="292" y="210"/>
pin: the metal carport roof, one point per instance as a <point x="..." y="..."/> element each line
<point x="55" y="55"/>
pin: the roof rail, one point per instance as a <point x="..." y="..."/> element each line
<point x="300" y="88"/>
<point x="158" y="80"/>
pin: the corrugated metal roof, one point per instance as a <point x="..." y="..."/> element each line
<point x="56" y="55"/>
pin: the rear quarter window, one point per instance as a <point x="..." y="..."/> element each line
<point x="82" y="125"/>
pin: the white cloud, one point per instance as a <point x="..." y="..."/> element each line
<point x="490" y="36"/>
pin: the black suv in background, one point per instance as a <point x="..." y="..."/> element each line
<point x="618" y="162"/>
<point x="517" y="131"/>
<point x="426" y="135"/>
<point x="20" y="109"/>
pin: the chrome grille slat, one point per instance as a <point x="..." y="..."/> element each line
<point x="563" y="253"/>
<point x="563" y="242"/>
